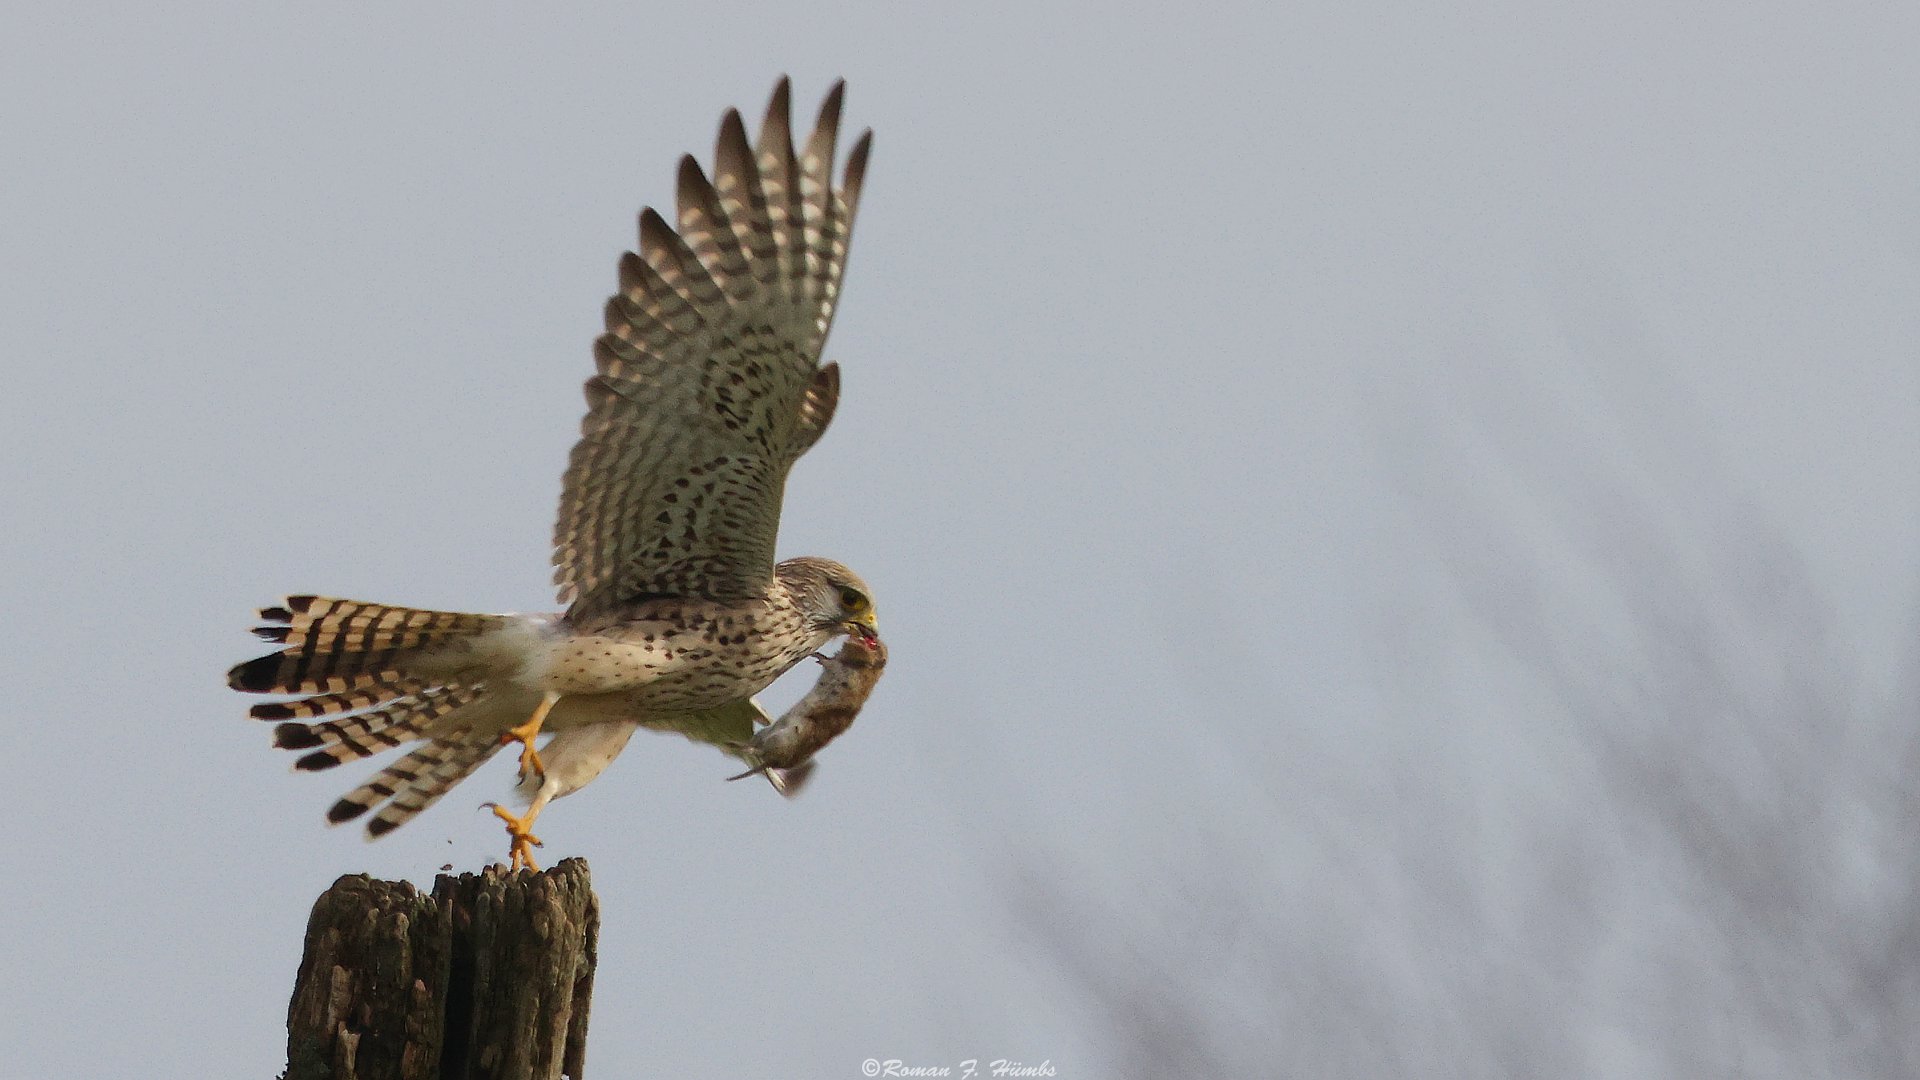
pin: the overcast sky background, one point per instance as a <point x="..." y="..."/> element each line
<point x="1395" y="527"/>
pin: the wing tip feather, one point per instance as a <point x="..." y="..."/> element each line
<point x="655" y="234"/>
<point x="827" y="124"/>
<point x="732" y="138"/>
<point x="691" y="178"/>
<point x="780" y="104"/>
<point x="855" y="175"/>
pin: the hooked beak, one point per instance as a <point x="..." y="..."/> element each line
<point x="865" y="627"/>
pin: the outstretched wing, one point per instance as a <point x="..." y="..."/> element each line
<point x="710" y="384"/>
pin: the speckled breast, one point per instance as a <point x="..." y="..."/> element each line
<point x="672" y="656"/>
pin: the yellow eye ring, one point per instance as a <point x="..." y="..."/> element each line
<point x="852" y="599"/>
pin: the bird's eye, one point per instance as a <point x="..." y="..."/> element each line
<point x="853" y="600"/>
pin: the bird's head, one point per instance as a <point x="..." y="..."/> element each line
<point x="832" y="597"/>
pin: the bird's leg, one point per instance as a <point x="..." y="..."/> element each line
<point x="519" y="830"/>
<point x="524" y="735"/>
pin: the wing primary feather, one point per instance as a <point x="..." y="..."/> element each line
<point x="704" y="226"/>
<point x="856" y="175"/>
<point x="626" y="313"/>
<point x="827" y="125"/>
<point x="643" y="289"/>
<point x="818" y="206"/>
<point x="737" y="181"/>
<point x="780" y="180"/>
<point x="676" y="263"/>
<point x="842" y="235"/>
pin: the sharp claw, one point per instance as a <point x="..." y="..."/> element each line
<point x="521" y="839"/>
<point x="524" y="735"/>
<point x="530" y="762"/>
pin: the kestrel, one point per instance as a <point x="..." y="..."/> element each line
<point x="709" y="388"/>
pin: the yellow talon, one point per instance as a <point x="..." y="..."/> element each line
<point x="520" y="850"/>
<point x="529" y="757"/>
<point x="524" y="735"/>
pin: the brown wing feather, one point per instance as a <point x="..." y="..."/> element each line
<point x="710" y="384"/>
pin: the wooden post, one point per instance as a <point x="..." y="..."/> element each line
<point x="489" y="978"/>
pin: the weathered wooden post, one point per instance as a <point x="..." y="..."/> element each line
<point x="488" y="978"/>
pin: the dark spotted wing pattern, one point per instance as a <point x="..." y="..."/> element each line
<point x="710" y="384"/>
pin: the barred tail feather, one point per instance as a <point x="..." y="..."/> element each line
<point x="338" y="650"/>
<point x="365" y="734"/>
<point x="326" y="704"/>
<point x="416" y="781"/>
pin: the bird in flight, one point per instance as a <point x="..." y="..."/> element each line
<point x="709" y="388"/>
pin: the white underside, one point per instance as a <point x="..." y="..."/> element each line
<point x="573" y="758"/>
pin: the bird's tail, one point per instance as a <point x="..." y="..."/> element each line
<point x="339" y="651"/>
<point x="370" y="677"/>
<point x="416" y="781"/>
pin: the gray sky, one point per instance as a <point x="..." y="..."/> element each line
<point x="1382" y="518"/>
